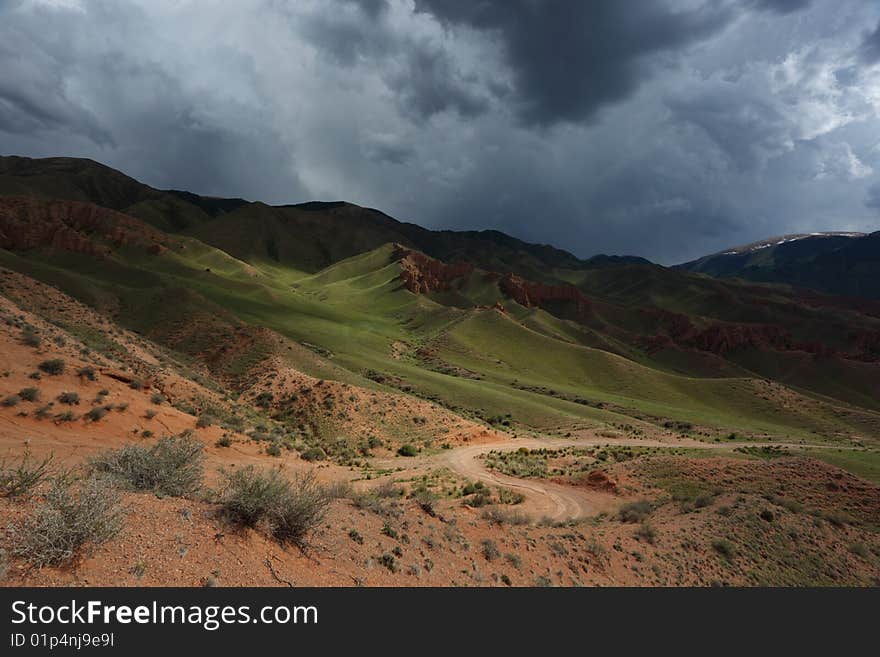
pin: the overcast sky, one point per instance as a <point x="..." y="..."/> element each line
<point x="666" y="129"/>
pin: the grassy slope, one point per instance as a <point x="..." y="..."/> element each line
<point x="357" y="309"/>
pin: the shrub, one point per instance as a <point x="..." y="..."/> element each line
<point x="725" y="548"/>
<point x="66" y="416"/>
<point x="97" y="413"/>
<point x="249" y="495"/>
<point x="860" y="550"/>
<point x="121" y="407"/>
<point x="314" y="454"/>
<point x="407" y="450"/>
<point x="507" y="496"/>
<point x="146" y="433"/>
<point x="301" y="511"/>
<point x="69" y="398"/>
<point x="390" y="562"/>
<point x="21" y="477"/>
<point x="635" y="511"/>
<point x="150" y="414"/>
<point x="157" y="398"/>
<point x="355" y="535"/>
<point x="505" y="517"/>
<point x="173" y="466"/>
<point x="489" y="550"/>
<point x="136" y="384"/>
<point x="224" y="441"/>
<point x="43" y="412"/>
<point x="87" y="372"/>
<point x="73" y="514"/>
<point x="54" y="366"/>
<point x="11" y="400"/>
<point x="29" y="337"/>
<point x="29" y="394"/>
<point x="290" y="508"/>
<point x="646" y="533"/>
<point x="205" y="420"/>
<point x="426" y="501"/>
<point x="274" y="449"/>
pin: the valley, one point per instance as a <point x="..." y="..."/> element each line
<point x="660" y="427"/>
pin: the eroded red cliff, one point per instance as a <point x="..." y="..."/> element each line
<point x="30" y="223"/>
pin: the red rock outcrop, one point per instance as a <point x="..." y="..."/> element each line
<point x="532" y="295"/>
<point x="422" y="274"/>
<point x="30" y="223"/>
<point x="721" y="338"/>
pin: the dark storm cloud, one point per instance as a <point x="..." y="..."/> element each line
<point x="782" y="6"/>
<point x="666" y="129"/>
<point x="872" y="199"/>
<point x="570" y="59"/>
<point x="870" y="47"/>
<point x="423" y="76"/>
<point x="136" y="114"/>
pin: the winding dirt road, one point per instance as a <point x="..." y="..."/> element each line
<point x="546" y="499"/>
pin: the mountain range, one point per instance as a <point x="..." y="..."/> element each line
<point x="228" y="379"/>
<point x="845" y="264"/>
<point x="550" y="337"/>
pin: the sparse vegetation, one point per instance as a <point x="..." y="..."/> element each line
<point x="489" y="549"/>
<point x="54" y="366"/>
<point x="635" y="511"/>
<point x="69" y="398"/>
<point x="73" y="514"/>
<point x="96" y="413"/>
<point x="291" y="509"/>
<point x="87" y="372"/>
<point x="407" y="450"/>
<point x="173" y="466"/>
<point x="29" y="394"/>
<point x="20" y="476"/>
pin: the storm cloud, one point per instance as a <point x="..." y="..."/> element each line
<point x="665" y="129"/>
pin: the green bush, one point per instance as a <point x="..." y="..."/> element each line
<point x="507" y="496"/>
<point x="157" y="398"/>
<point x="173" y="466"/>
<point x="29" y="394"/>
<point x="291" y="509"/>
<point x="250" y="495"/>
<point x="87" y="372"/>
<point x="407" y="450"/>
<point x="54" y="366"/>
<point x="314" y="454"/>
<point x="725" y="548"/>
<point x="635" y="511"/>
<point x="224" y="441"/>
<point x="69" y="398"/>
<point x="73" y="514"/>
<point x="11" y="400"/>
<point x="97" y="413"/>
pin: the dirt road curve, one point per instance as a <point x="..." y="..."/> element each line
<point x="543" y="498"/>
